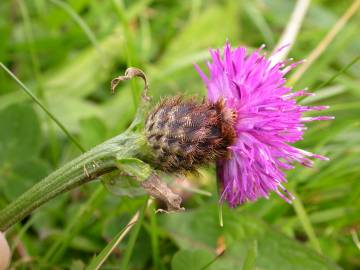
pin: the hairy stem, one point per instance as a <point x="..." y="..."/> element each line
<point x="85" y="168"/>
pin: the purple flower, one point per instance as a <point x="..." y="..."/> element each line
<point x="268" y="121"/>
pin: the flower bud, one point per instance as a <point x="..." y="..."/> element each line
<point x="185" y="134"/>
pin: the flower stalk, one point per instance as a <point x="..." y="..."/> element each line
<point x="89" y="166"/>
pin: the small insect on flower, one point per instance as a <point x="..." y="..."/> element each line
<point x="268" y="121"/>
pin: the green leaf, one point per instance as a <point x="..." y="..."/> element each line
<point x="20" y="133"/>
<point x="121" y="184"/>
<point x="111" y="224"/>
<point x="77" y="265"/>
<point x="191" y="259"/>
<point x="198" y="229"/>
<point x="70" y="110"/>
<point x="20" y="144"/>
<point x="93" y="131"/>
<point x="135" y="167"/>
<point x="22" y="175"/>
<point x="126" y="182"/>
<point x="221" y="19"/>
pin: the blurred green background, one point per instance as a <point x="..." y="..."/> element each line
<point x="67" y="52"/>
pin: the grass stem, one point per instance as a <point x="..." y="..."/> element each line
<point x="326" y="41"/>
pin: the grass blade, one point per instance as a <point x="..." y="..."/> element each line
<point x="154" y="234"/>
<point x="326" y="41"/>
<point x="250" y="259"/>
<point x="133" y="236"/>
<point x="289" y="35"/>
<point x="54" y="145"/>
<point x="30" y="40"/>
<point x="99" y="260"/>
<point x="69" y="10"/>
<point x="306" y="223"/>
<point x="345" y="68"/>
<point x="259" y="21"/>
<point x="58" y="247"/>
<point x="132" y="59"/>
<point x="355" y="238"/>
<point x="43" y="107"/>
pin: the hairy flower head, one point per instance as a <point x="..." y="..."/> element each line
<point x="268" y="121"/>
<point x="185" y="134"/>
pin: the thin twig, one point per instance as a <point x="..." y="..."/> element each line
<point x="325" y="42"/>
<point x="290" y="33"/>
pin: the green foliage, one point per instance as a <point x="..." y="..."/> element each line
<point x="128" y="184"/>
<point x="20" y="133"/>
<point x="247" y="240"/>
<point x="20" y="144"/>
<point x="190" y="259"/>
<point x="70" y="50"/>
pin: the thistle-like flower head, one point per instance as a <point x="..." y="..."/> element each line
<point x="185" y="134"/>
<point x="268" y="121"/>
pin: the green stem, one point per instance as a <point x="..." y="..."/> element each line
<point x="85" y="168"/>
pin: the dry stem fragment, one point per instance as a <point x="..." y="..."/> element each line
<point x="130" y="73"/>
<point x="159" y="190"/>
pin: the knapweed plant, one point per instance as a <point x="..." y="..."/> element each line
<point x="246" y="125"/>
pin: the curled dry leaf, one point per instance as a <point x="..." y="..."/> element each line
<point x="220" y="245"/>
<point x="159" y="190"/>
<point x="130" y="73"/>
